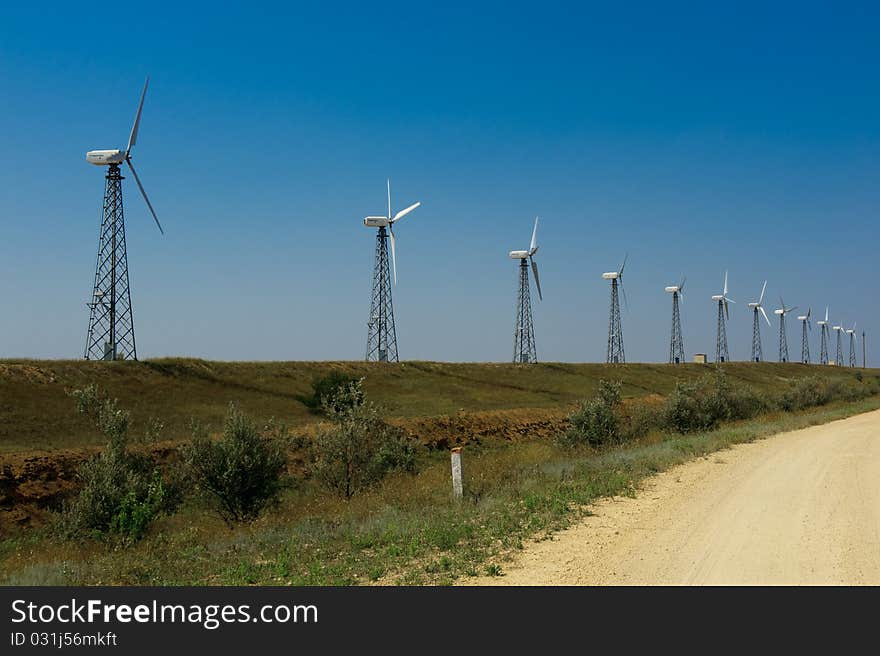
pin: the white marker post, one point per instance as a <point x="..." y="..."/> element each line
<point x="457" y="489"/>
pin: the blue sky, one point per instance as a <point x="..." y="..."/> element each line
<point x="697" y="138"/>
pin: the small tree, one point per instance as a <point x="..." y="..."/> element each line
<point x="122" y="492"/>
<point x="241" y="471"/>
<point x="595" y="422"/>
<point x="360" y="449"/>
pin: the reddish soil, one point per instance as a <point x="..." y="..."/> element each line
<point x="34" y="483"/>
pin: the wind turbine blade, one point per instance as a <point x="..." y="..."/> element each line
<point x="537" y="280"/>
<point x="534" y="243"/>
<point x="791" y="309"/>
<point x="144" y="194"/>
<point x="389" y="198"/>
<point x="730" y="300"/>
<point x="761" y="299"/>
<point x="727" y="309"/>
<point x="623" y="289"/>
<point x="623" y="266"/>
<point x="826" y="314"/>
<point x="403" y="213"/>
<point x="761" y="308"/>
<point x="132" y="138"/>
<point x="724" y="293"/>
<point x="681" y="284"/>
<point x="393" y="253"/>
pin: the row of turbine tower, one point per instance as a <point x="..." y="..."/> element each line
<point x="110" y="333"/>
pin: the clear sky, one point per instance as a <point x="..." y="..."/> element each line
<point x="696" y="137"/>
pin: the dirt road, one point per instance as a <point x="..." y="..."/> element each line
<point x="797" y="508"/>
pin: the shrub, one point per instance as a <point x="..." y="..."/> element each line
<point x="360" y="449"/>
<point x="241" y="471"/>
<point x="640" y="418"/>
<point x="122" y="492"/>
<point x="701" y="405"/>
<point x="595" y="422"/>
<point x="332" y="389"/>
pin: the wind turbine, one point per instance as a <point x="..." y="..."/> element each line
<point x="839" y="330"/>
<point x="757" y="351"/>
<point x="110" y="334"/>
<point x="524" y="350"/>
<point x="852" y="345"/>
<point x="805" y="342"/>
<point x="381" y="331"/>
<point x="781" y="311"/>
<point x="723" y="301"/>
<point x="676" y="342"/>
<point x="825" y="336"/>
<point x="615" y="352"/>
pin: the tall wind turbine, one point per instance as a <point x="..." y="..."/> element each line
<point x="852" y="344"/>
<point x="723" y="301"/>
<point x="524" y="350"/>
<point x="839" y="330"/>
<point x="381" y="332"/>
<point x="676" y="342"/>
<point x="805" y="341"/>
<point x="111" y="324"/>
<point x="781" y="311"/>
<point x="615" y="352"/>
<point x="825" y="336"/>
<point x="755" y="306"/>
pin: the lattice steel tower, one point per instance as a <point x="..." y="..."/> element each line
<point x="825" y="336"/>
<point x="757" y="350"/>
<point x="852" y="345"/>
<point x="839" y="331"/>
<point x="805" y="340"/>
<point x="615" y="352"/>
<point x="111" y="324"/>
<point x="381" y="331"/>
<point x="676" y="342"/>
<point x="524" y="350"/>
<point x="781" y="311"/>
<point x="721" y="354"/>
<point x="724" y="302"/>
<point x="110" y="334"/>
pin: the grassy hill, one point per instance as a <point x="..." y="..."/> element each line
<point x="36" y="412"/>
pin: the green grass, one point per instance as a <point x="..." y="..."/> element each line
<point x="407" y="530"/>
<point x="35" y="412"/>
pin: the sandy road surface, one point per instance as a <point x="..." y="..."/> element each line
<point x="797" y="508"/>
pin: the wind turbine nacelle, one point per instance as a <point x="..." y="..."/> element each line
<point x="820" y="323"/>
<point x="377" y="222"/>
<point x="718" y="297"/>
<point x="105" y="157"/>
<point x="518" y="255"/>
<point x="802" y="318"/>
<point x="778" y="311"/>
<point x="673" y="289"/>
<point x="753" y="306"/>
<point x="611" y="275"/>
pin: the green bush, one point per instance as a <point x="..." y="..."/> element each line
<point x="595" y="422"/>
<point x="701" y="405"/>
<point x="122" y="492"/>
<point x="814" y="391"/>
<point x="640" y="418"/>
<point x="359" y="449"/>
<point x="327" y="388"/>
<point x="241" y="472"/>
